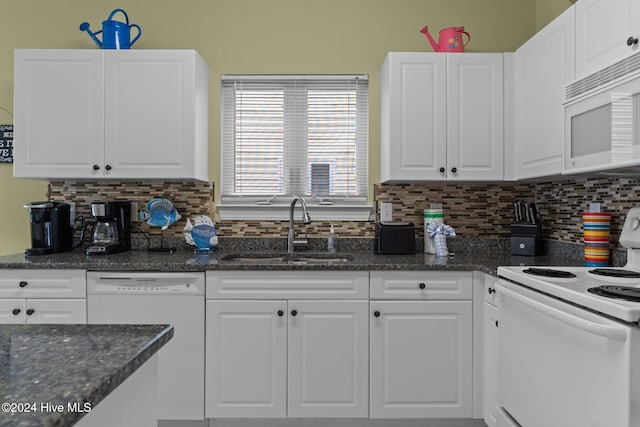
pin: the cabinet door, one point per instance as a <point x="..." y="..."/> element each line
<point x="60" y="311"/>
<point x="246" y="366"/>
<point x="490" y="364"/>
<point x="475" y="99"/>
<point x="43" y="283"/>
<point x="328" y="359"/>
<point x="58" y="102"/>
<point x="544" y="65"/>
<point x="421" y="359"/>
<point x="413" y="118"/>
<point x="12" y="311"/>
<point x="602" y="30"/>
<point x="149" y="114"/>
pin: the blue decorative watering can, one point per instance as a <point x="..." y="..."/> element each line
<point x="115" y="34"/>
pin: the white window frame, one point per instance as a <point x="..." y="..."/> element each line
<point x="276" y="207"/>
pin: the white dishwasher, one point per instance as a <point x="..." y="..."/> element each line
<point x="160" y="298"/>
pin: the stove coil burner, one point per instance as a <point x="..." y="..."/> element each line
<point x="626" y="293"/>
<point x="614" y="272"/>
<point x="549" y="272"/>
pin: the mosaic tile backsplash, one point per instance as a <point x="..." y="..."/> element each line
<point x="474" y="210"/>
<point x="560" y="205"/>
<point x="189" y="198"/>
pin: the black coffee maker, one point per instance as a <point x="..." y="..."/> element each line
<point x="51" y="229"/>
<point x="112" y="229"/>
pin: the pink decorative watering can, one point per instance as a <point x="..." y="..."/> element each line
<point x="449" y="40"/>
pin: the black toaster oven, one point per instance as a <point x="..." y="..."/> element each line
<point x="395" y="238"/>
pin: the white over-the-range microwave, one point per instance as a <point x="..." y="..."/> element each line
<point x="602" y="120"/>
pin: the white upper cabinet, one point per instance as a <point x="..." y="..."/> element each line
<point x="543" y="66"/>
<point x="475" y="99"/>
<point x="92" y="114"/>
<point x="413" y="114"/>
<point x="441" y="117"/>
<point x="606" y="31"/>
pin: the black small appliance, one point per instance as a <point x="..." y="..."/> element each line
<point x="51" y="229"/>
<point x="112" y="229"/>
<point x="395" y="238"/>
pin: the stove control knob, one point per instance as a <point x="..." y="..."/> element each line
<point x="635" y="223"/>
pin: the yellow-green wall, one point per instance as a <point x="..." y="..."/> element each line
<point x="547" y="10"/>
<point x="250" y="36"/>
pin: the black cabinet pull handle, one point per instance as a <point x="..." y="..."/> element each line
<point x="422" y="286"/>
<point x="496" y="323"/>
<point x="376" y="313"/>
<point x="294" y="312"/>
<point x="96" y="167"/>
<point x="22" y="284"/>
<point x="108" y="167"/>
<point x="280" y="313"/>
<point x="442" y="170"/>
<point x="454" y="170"/>
<point x="30" y="311"/>
<point x="632" y="40"/>
<point x="16" y="311"/>
<point x="491" y="291"/>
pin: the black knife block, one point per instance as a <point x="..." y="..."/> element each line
<point x="526" y="239"/>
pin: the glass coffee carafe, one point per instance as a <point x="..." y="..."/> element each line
<point x="105" y="232"/>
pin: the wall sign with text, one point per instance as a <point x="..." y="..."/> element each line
<point x="6" y="143"/>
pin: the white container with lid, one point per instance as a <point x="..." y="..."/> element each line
<point x="434" y="215"/>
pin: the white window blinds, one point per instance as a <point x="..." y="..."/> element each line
<point x="294" y="135"/>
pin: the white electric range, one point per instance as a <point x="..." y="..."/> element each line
<point x="569" y="341"/>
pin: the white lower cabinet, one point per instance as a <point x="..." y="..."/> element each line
<point x="421" y="352"/>
<point x="43" y="296"/>
<point x="287" y="357"/>
<point x="421" y="359"/>
<point x="490" y="357"/>
<point x="246" y="362"/>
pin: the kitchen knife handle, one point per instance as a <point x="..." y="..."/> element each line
<point x="527" y="213"/>
<point x="532" y="215"/>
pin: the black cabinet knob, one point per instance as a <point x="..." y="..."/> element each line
<point x="280" y="313"/>
<point x="422" y="286"/>
<point x="30" y="311"/>
<point x="108" y="167"/>
<point x="96" y="167"/>
<point x="294" y="312"/>
<point x="454" y="170"/>
<point x="491" y="291"/>
<point x="16" y="311"/>
<point x="376" y="313"/>
<point x="442" y="170"/>
<point x="22" y="284"/>
<point x="632" y="41"/>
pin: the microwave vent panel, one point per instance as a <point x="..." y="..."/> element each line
<point x="623" y="68"/>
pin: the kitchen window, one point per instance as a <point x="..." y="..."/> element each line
<point x="284" y="136"/>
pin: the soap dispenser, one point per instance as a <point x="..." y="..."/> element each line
<point x="332" y="241"/>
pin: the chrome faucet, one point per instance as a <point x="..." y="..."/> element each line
<point x="306" y="219"/>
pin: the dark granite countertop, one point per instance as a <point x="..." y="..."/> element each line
<point x="185" y="260"/>
<point x="64" y="364"/>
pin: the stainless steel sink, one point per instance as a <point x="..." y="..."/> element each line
<point x="254" y="258"/>
<point x="302" y="258"/>
<point x="321" y="258"/>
